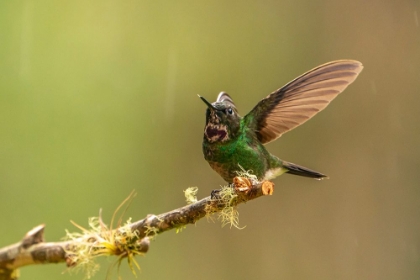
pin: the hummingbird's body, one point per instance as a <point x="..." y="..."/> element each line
<point x="246" y="150"/>
<point x="231" y="142"/>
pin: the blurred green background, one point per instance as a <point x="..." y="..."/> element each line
<point x="98" y="98"/>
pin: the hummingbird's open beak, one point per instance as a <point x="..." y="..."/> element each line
<point x="207" y="103"/>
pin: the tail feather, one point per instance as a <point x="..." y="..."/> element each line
<point x="302" y="171"/>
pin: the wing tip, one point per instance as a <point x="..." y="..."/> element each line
<point x="357" y="65"/>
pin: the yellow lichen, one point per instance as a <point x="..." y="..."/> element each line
<point x="151" y="232"/>
<point x="229" y="214"/>
<point x="228" y="195"/>
<point x="247" y="174"/>
<point x="190" y="195"/>
<point x="180" y="228"/>
<point x="101" y="240"/>
<point x="209" y="209"/>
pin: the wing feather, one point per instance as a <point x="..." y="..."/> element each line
<point x="301" y="99"/>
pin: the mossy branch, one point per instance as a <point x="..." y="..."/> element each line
<point x="128" y="240"/>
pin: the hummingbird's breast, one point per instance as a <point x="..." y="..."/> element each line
<point x="228" y="158"/>
<point x="223" y="170"/>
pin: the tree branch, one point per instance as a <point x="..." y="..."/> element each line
<point x="126" y="241"/>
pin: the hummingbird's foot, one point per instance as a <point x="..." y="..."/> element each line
<point x="215" y="194"/>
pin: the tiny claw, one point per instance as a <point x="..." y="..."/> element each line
<point x="215" y="194"/>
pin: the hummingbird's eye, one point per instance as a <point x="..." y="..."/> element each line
<point x="230" y="111"/>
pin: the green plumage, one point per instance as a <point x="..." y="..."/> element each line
<point x="245" y="150"/>
<point x="231" y="142"/>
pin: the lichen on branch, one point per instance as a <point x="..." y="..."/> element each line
<point x="131" y="238"/>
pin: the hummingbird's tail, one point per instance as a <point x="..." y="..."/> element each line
<point x="302" y="171"/>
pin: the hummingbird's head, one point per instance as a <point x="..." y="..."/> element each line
<point x="222" y="119"/>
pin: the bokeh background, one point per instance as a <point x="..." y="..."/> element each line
<point x="99" y="98"/>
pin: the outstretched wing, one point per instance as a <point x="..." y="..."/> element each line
<point x="299" y="100"/>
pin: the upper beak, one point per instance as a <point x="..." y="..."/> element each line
<point x="207" y="103"/>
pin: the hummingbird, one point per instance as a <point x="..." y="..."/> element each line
<point x="232" y="142"/>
